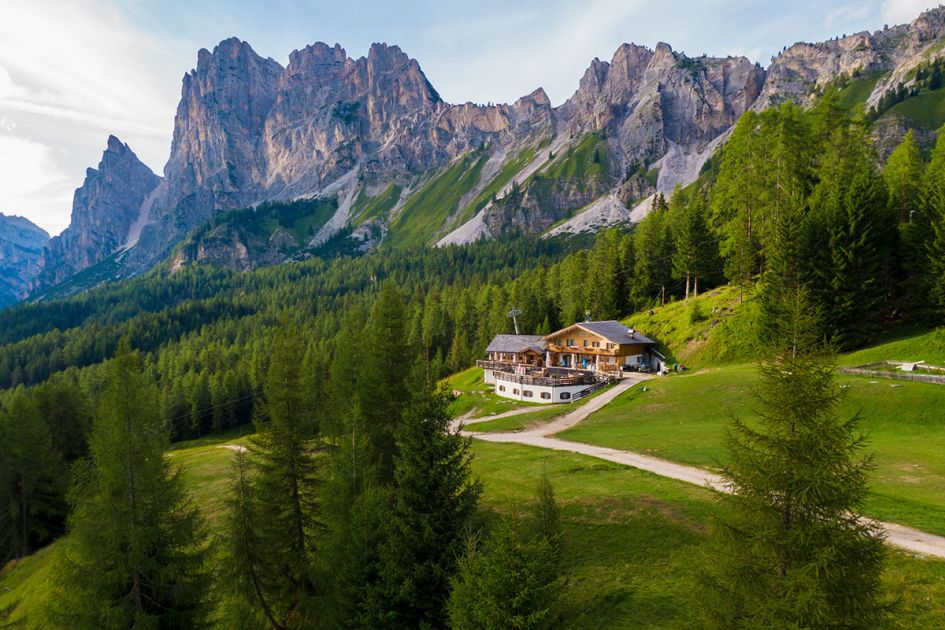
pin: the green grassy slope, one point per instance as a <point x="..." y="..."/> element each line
<point x="503" y="177"/>
<point x="630" y="538"/>
<point x="683" y="418"/>
<point x="424" y="214"/>
<point x="367" y="208"/>
<point x="926" y="109"/>
<point x="717" y="326"/>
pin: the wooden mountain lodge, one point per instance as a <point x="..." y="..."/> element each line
<point x="568" y="364"/>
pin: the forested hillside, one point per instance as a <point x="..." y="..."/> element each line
<point x="349" y="507"/>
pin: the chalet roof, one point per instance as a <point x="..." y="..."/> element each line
<point x="517" y="343"/>
<point x="611" y="330"/>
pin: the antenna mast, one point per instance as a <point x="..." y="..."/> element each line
<point x="514" y="313"/>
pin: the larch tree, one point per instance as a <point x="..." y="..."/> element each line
<point x="433" y="497"/>
<point x="790" y="547"/>
<point x="694" y="248"/>
<point x="285" y="488"/>
<point x="32" y="488"/>
<point x="903" y="177"/>
<point x="137" y="551"/>
<point x="933" y="209"/>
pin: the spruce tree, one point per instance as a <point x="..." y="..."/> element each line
<point x="653" y="253"/>
<point x="285" y="489"/>
<point x="382" y="382"/>
<point x="790" y="548"/>
<point x="433" y="497"/>
<point x="903" y="176"/>
<point x="694" y="248"/>
<point x="508" y="581"/>
<point x="933" y="210"/>
<point x="136" y="555"/>
<point x="32" y="489"/>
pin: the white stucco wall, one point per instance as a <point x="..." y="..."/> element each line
<point x="516" y="391"/>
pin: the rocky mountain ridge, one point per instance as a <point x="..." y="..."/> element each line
<point x="104" y="210"/>
<point x="326" y="125"/>
<point x="21" y="247"/>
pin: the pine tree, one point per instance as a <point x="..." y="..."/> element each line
<point x="693" y="246"/>
<point x="136" y="555"/>
<point x="433" y="497"/>
<point x="285" y="487"/>
<point x="653" y="253"/>
<point x="382" y="382"/>
<point x="32" y="492"/>
<point x="933" y="210"/>
<point x="242" y="548"/>
<point x="509" y="581"/>
<point x="903" y="176"/>
<point x="790" y="548"/>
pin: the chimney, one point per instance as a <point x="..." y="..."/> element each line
<point x="630" y="331"/>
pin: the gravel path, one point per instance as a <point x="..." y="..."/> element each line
<point x="900" y="536"/>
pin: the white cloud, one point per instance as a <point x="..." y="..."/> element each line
<point x="904" y="11"/>
<point x="72" y="72"/>
<point x="33" y="184"/>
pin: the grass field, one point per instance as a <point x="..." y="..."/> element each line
<point x="477" y="397"/>
<point x="683" y="418"/>
<point x="630" y="538"/>
<point x="715" y="327"/>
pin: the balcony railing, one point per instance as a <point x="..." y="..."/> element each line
<point x="548" y="377"/>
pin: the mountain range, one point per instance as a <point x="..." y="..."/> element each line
<point x="348" y="154"/>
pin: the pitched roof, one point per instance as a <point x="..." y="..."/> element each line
<point x="613" y="331"/>
<point x="517" y="343"/>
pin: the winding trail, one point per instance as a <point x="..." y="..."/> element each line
<point x="542" y="436"/>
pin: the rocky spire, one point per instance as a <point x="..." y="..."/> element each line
<point x="103" y="210"/>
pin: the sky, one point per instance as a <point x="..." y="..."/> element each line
<point x="74" y="71"/>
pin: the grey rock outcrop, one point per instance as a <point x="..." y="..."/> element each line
<point x="103" y="211"/>
<point x="21" y="247"/>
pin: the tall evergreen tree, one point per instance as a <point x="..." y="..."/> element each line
<point x="933" y="210"/>
<point x="136" y="555"/>
<point x="790" y="548"/>
<point x="694" y="247"/>
<point x="653" y="253"/>
<point x="285" y="490"/>
<point x="510" y="580"/>
<point x="32" y="489"/>
<point x="382" y="382"/>
<point x="433" y="497"/>
<point x="903" y="176"/>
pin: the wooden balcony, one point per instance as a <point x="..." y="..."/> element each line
<point x="547" y="377"/>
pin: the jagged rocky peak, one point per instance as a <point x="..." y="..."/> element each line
<point x="21" y="247"/>
<point x="223" y="108"/>
<point x="649" y="98"/>
<point x="796" y="72"/>
<point x="103" y="211"/>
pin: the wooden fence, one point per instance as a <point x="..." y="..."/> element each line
<point x="901" y="376"/>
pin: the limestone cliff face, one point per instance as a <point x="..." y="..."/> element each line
<point x="647" y="99"/>
<point x="249" y="130"/>
<point x="21" y="247"/>
<point x="799" y="70"/>
<point x="103" y="211"/>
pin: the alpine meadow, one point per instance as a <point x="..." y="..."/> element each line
<point x="667" y="353"/>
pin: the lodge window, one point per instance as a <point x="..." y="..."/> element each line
<point x="515" y="392"/>
<point x="527" y="393"/>
<point x="585" y="343"/>
<point x="570" y="343"/>
<point x="546" y="395"/>
<point x="610" y="346"/>
<point x="596" y="344"/>
<point x="501" y="388"/>
<point x="565" y="395"/>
